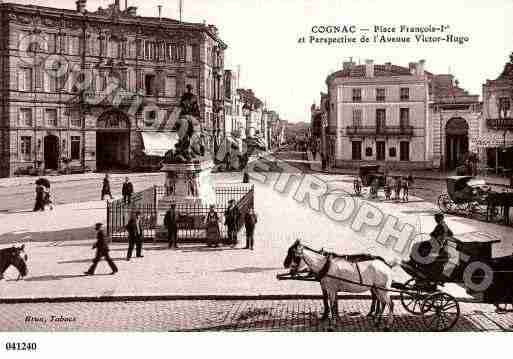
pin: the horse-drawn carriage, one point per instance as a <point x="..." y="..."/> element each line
<point x="471" y="266"/>
<point x="467" y="195"/>
<point x="369" y="175"/>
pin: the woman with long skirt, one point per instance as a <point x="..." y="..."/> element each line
<point x="212" y="222"/>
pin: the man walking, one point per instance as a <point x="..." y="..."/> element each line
<point x="39" y="205"/>
<point x="170" y="221"/>
<point x="102" y="251"/>
<point x="245" y="177"/>
<point x="231" y="216"/>
<point x="135" y="236"/>
<point x="127" y="191"/>
<point x="250" y="220"/>
<point x="106" y="187"/>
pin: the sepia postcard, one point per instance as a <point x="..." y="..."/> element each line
<point x="255" y="166"/>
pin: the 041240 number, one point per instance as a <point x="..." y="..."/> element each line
<point x="21" y="346"/>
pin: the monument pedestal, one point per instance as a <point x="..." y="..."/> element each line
<point x="190" y="187"/>
<point x="188" y="183"/>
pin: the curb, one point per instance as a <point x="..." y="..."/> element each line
<point x="199" y="297"/>
<point x="100" y="176"/>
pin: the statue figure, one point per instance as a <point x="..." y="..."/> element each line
<point x="191" y="144"/>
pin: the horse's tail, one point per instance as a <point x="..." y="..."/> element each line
<point x="394" y="262"/>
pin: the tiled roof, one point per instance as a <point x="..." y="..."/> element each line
<point x="379" y="71"/>
<point x="444" y="87"/>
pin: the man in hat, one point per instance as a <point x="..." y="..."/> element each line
<point x="102" y="251"/>
<point x="170" y="221"/>
<point x="250" y="220"/>
<point x="106" y="187"/>
<point x="434" y="251"/>
<point x="127" y="190"/>
<point x="231" y="221"/>
<point x="135" y="235"/>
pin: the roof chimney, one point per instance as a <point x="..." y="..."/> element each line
<point x="369" y="68"/>
<point x="347" y="65"/>
<point x="131" y="11"/>
<point x="412" y="66"/>
<point x="81" y="6"/>
<point x="420" y="68"/>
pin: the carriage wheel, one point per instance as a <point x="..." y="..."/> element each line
<point x="440" y="312"/>
<point x="444" y="203"/>
<point x="412" y="301"/>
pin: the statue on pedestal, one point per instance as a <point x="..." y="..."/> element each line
<point x="191" y="145"/>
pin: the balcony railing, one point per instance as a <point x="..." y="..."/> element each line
<point x="379" y="131"/>
<point x="500" y="123"/>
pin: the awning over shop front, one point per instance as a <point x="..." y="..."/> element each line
<point x="158" y="143"/>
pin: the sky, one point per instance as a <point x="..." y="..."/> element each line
<point x="262" y="38"/>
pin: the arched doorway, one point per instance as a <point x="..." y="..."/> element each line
<point x="456" y="142"/>
<point x="112" y="141"/>
<point x="51" y="152"/>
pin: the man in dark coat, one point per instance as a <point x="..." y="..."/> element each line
<point x="135" y="236"/>
<point x="433" y="253"/>
<point x="127" y="191"/>
<point x="232" y="215"/>
<point x="39" y="205"/>
<point x="106" y="187"/>
<point x="250" y="220"/>
<point x="245" y="177"/>
<point x="102" y="251"/>
<point x="170" y="221"/>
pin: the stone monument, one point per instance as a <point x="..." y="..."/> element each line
<point x="188" y="166"/>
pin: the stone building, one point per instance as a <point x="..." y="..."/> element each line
<point x="496" y="140"/>
<point x="455" y="118"/>
<point x="101" y="88"/>
<point x="379" y="114"/>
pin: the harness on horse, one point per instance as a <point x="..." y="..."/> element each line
<point x="356" y="258"/>
<point x="325" y="269"/>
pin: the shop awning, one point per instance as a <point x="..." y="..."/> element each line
<point x="158" y="143"/>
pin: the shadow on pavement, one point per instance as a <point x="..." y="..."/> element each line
<point x="46" y="278"/>
<point x="249" y="270"/>
<point x="207" y="249"/>
<point x="73" y="234"/>
<point x="426" y="212"/>
<point x="88" y="260"/>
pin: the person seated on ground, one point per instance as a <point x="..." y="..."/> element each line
<point x="433" y="252"/>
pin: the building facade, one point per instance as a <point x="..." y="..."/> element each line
<point x="90" y="88"/>
<point x="455" y="117"/>
<point x="380" y="114"/>
<point x="496" y="137"/>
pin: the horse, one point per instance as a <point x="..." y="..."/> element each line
<point x="352" y="273"/>
<point x="15" y="256"/>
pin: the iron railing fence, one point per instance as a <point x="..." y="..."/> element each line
<point x="191" y="222"/>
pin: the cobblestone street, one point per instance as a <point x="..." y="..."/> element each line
<point x="226" y="315"/>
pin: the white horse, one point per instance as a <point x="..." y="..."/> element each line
<point x="345" y="274"/>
